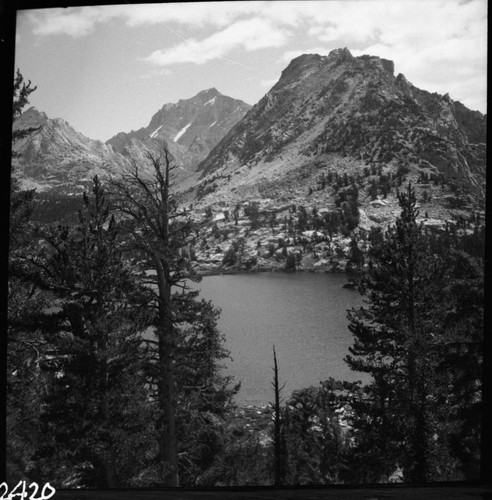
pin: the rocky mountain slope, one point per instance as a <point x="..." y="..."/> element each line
<point x="59" y="162"/>
<point x="356" y="106"/>
<point x="321" y="156"/>
<point x="55" y="156"/>
<point x="191" y="128"/>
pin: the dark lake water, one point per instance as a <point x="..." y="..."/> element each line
<point x="302" y="314"/>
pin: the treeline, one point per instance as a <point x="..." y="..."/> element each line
<point x="54" y="207"/>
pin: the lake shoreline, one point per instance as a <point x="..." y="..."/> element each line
<point x="258" y="420"/>
<point x="221" y="271"/>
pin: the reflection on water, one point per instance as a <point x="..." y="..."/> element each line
<point x="302" y="314"/>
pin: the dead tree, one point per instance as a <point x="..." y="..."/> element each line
<point x="278" y="438"/>
<point x="156" y="232"/>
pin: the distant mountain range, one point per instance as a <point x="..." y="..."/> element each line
<point x="327" y="114"/>
<point x="56" y="155"/>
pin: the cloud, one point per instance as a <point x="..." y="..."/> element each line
<point x="70" y="22"/>
<point x="440" y="46"/>
<point x="251" y="34"/>
<point x="192" y="14"/>
<point x="81" y="21"/>
<point x="404" y="23"/>
<point x="436" y="42"/>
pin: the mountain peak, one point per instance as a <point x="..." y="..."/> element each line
<point x="307" y="58"/>
<point x="384" y="64"/>
<point x="192" y="127"/>
<point x="212" y="92"/>
<point x="299" y="65"/>
<point x="31" y="118"/>
<point x="201" y="96"/>
<point x="341" y="54"/>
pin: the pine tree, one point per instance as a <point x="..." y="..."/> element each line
<point x="148" y="210"/>
<point x="23" y="347"/>
<point x="22" y="91"/>
<point x="393" y="341"/>
<point x="291" y="261"/>
<point x="21" y="201"/>
<point x="203" y="394"/>
<point x="314" y="441"/>
<point x="302" y="219"/>
<point x="401" y="339"/>
<point x="461" y="358"/>
<point x="157" y="234"/>
<point x="355" y="260"/>
<point x="96" y="407"/>
<point x="253" y="212"/>
<point x="279" y="452"/>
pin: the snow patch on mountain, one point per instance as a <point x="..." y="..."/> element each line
<point x="211" y="101"/>
<point x="211" y="125"/>
<point x="181" y="132"/>
<point x="154" y="133"/>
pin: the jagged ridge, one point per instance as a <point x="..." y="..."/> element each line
<point x="356" y="106"/>
<point x="54" y="154"/>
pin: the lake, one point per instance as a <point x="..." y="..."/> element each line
<point x="302" y="314"/>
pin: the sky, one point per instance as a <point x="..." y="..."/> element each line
<point x="108" y="69"/>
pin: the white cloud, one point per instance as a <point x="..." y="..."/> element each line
<point x="81" y="21"/>
<point x="251" y="34"/>
<point x="433" y="42"/>
<point x="64" y="21"/>
<point x="438" y="45"/>
<point x="198" y="14"/>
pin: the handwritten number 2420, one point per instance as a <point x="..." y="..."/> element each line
<point x="20" y="491"/>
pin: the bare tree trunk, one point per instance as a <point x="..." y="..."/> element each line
<point x="167" y="428"/>
<point x="418" y="438"/>
<point x="277" y="437"/>
<point x="147" y="201"/>
<point x="166" y="391"/>
<point x="108" y="465"/>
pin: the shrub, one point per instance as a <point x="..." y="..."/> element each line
<point x="291" y="262"/>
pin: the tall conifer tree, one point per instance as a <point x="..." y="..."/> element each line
<point x="22" y="347"/>
<point x="403" y="338"/>
<point x="157" y="233"/>
<point x="95" y="409"/>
